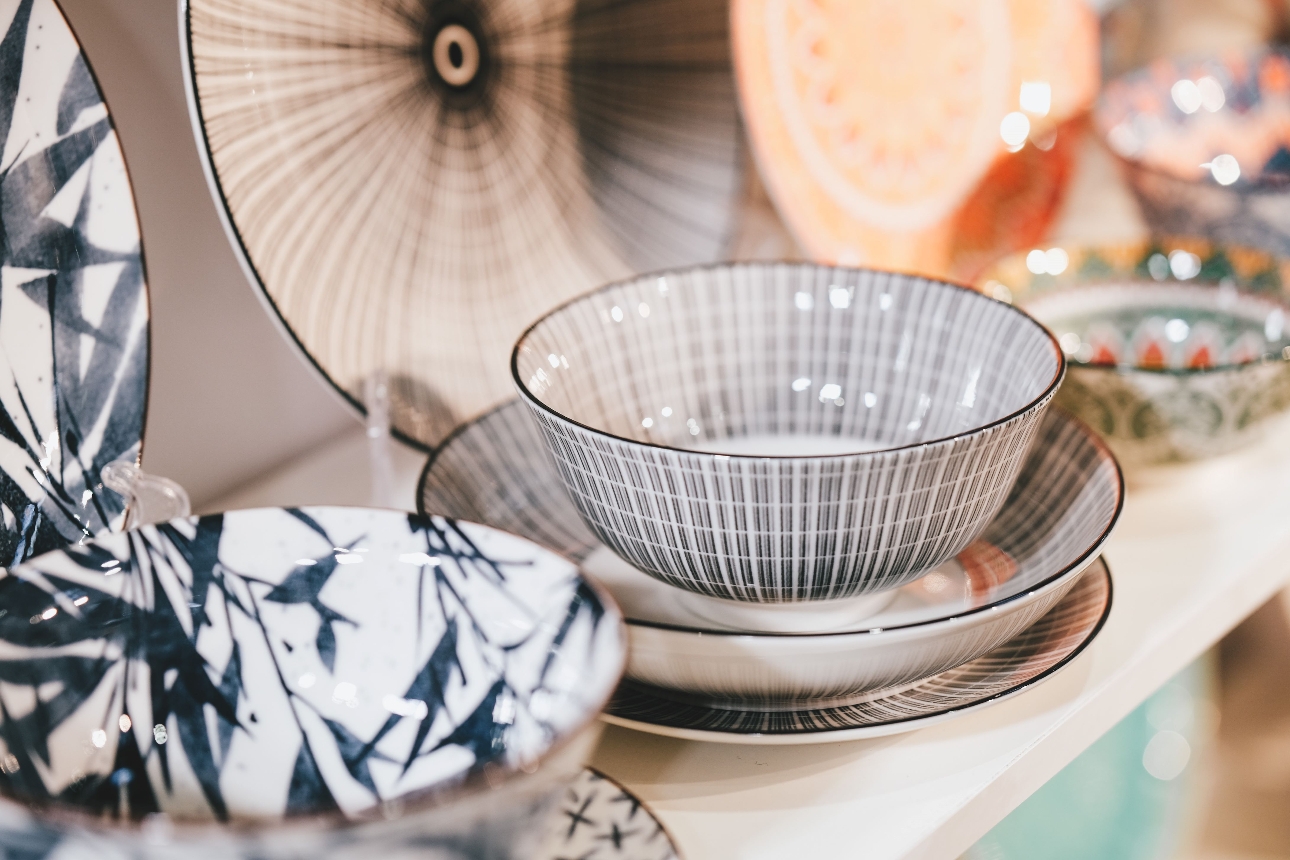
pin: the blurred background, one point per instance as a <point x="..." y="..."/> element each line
<point x="1202" y="770"/>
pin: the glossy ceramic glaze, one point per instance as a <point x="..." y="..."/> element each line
<point x="73" y="302"/>
<point x="598" y="819"/>
<point x="401" y="213"/>
<point x="1029" y="658"/>
<point x="1063" y="506"/>
<point x="1177" y="347"/>
<point x="298" y="683"/>
<point x="645" y="389"/>
<point x="1206" y="144"/>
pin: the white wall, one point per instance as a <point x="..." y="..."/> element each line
<point x="229" y="399"/>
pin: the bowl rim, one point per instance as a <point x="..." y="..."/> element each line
<point x="1031" y="405"/>
<point x="1073" y="567"/>
<point x="476" y="783"/>
<point x="1158" y="242"/>
<point x="1260" y="185"/>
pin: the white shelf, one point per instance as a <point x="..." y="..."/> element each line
<point x="1198" y="548"/>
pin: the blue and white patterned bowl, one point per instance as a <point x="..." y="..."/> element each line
<point x="73" y="300"/>
<point x="776" y="433"/>
<point x="283" y="683"/>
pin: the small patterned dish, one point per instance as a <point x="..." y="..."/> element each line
<point x="599" y="819"/>
<point x="777" y="433"/>
<point x="1178" y="348"/>
<point x="291" y="683"/>
<point x="1032" y="656"/>
<point x="1063" y="506"/>
<point x="1205" y="143"/>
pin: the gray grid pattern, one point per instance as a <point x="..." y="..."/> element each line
<point x="1061" y="508"/>
<point x="496" y="470"/>
<point x="718" y="353"/>
<point x="1030" y="657"/>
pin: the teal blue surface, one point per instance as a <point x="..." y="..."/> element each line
<point x="1106" y="804"/>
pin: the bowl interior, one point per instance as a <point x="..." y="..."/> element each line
<point x="733" y="359"/>
<point x="1164" y="326"/>
<point x="266" y="664"/>
<point x="1221" y="119"/>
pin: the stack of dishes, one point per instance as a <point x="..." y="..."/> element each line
<point x="833" y="503"/>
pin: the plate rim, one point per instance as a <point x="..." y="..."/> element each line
<point x="223" y="210"/>
<point x="1071" y="570"/>
<point x="138" y="224"/>
<point x="879" y="729"/>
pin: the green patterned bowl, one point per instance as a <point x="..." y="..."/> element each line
<point x="1177" y="348"/>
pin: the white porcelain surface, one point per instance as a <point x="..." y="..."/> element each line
<point x="1064" y="505"/>
<point x="1032" y="656"/>
<point x="333" y="681"/>
<point x="73" y="300"/>
<point x="626" y="381"/>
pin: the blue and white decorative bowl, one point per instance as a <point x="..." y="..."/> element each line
<point x="777" y="433"/>
<point x="290" y="683"/>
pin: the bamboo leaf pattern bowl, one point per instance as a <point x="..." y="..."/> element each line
<point x="787" y="433"/>
<point x="1178" y="348"/>
<point x="291" y="683"/>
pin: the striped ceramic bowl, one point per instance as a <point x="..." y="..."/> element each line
<point x="780" y="433"/>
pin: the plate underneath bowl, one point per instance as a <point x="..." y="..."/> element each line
<point x="1026" y="659"/>
<point x="497" y="471"/>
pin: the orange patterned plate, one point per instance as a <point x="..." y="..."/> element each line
<point x="873" y="123"/>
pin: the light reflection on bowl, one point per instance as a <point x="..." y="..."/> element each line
<point x="787" y="432"/>
<point x="1205" y="143"/>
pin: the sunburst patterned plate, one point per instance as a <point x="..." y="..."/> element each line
<point x="411" y="183"/>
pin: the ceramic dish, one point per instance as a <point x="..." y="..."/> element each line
<point x="410" y="184"/>
<point x="779" y="433"/>
<point x="1029" y="658"/>
<point x="595" y="819"/>
<point x="598" y="819"/>
<point x="290" y="683"/>
<point x="1061" y="510"/>
<point x="877" y="128"/>
<point x="74" y="304"/>
<point x="1177" y="348"/>
<point x="1205" y="143"/>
